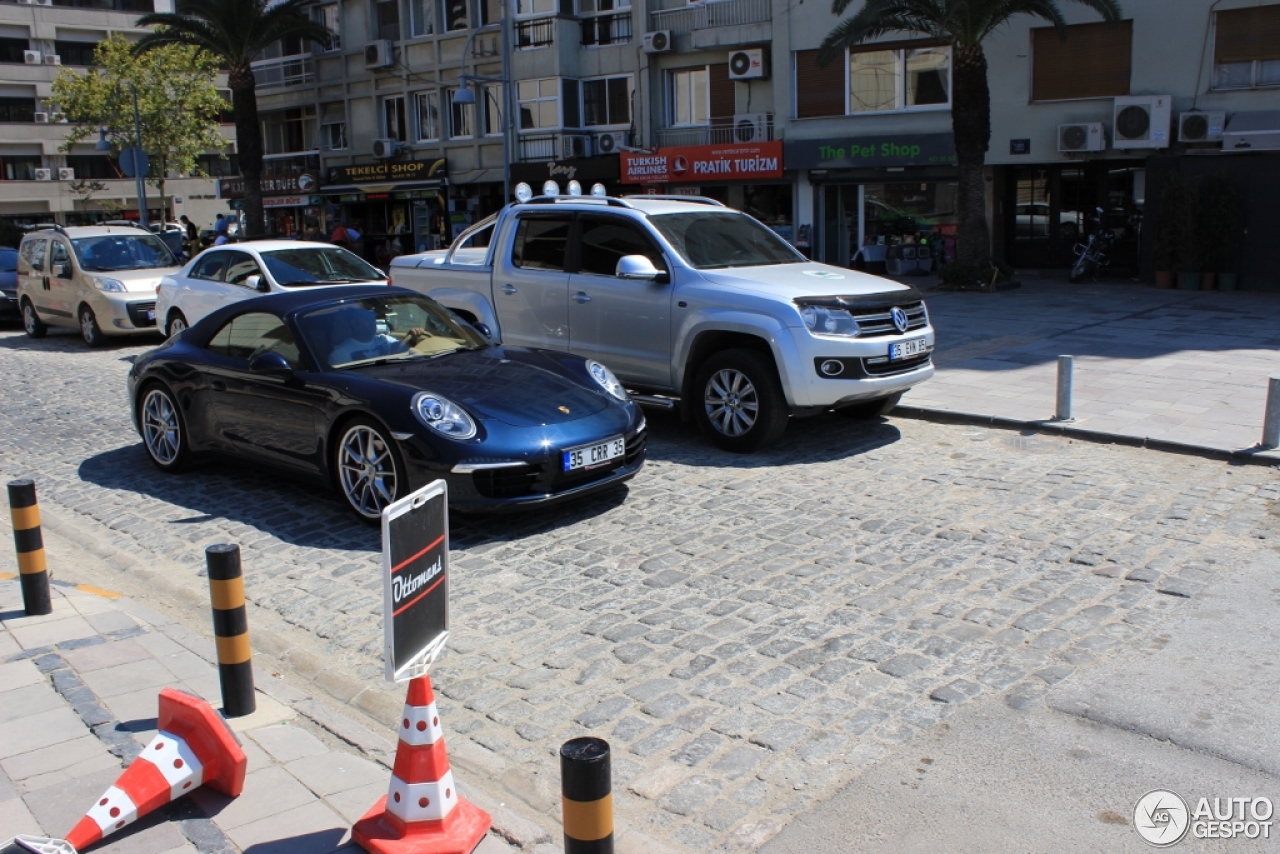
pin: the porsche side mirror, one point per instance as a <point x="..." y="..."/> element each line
<point x="270" y="363"/>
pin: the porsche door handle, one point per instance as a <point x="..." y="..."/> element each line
<point x="217" y="385"/>
<point x="580" y="298"/>
<point x="509" y="289"/>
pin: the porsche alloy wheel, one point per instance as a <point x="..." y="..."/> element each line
<point x="163" y="432"/>
<point x="369" y="472"/>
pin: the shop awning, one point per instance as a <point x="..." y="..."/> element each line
<point x="1255" y="130"/>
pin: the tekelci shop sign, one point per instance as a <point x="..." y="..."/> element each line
<point x="415" y="570"/>
<point x="857" y="152"/>
<point x="702" y="163"/>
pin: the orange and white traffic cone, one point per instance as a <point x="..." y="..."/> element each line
<point x="193" y="747"/>
<point x="422" y="813"/>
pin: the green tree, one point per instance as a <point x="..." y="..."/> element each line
<point x="964" y="25"/>
<point x="235" y="32"/>
<point x="178" y="106"/>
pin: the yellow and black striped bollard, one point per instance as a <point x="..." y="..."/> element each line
<point x="586" y="789"/>
<point x="231" y="629"/>
<point x="29" y="543"/>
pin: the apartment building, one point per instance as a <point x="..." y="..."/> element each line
<point x="40" y="183"/>
<point x="425" y="113"/>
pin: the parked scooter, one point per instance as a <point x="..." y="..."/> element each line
<point x="1092" y="254"/>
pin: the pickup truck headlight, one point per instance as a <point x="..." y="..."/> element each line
<point x="822" y="320"/>
<point x="606" y="379"/>
<point x="443" y="416"/>
<point x="110" y="286"/>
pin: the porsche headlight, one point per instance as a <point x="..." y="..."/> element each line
<point x="110" y="286"/>
<point x="606" y="379"/>
<point x="822" y="320"/>
<point x="443" y="416"/>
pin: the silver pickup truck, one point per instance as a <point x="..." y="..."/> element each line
<point x="690" y="303"/>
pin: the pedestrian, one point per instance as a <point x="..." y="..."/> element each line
<point x="339" y="237"/>
<point x="354" y="236"/>
<point x="193" y="235"/>
<point x="312" y="230"/>
<point x="220" y="226"/>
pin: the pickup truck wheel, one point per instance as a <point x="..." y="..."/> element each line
<point x="871" y="408"/>
<point x="742" y="407"/>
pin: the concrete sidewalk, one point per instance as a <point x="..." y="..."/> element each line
<point x="1179" y="369"/>
<point x="78" y="701"/>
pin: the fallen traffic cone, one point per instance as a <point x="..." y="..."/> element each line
<point x="422" y="813"/>
<point x="193" y="747"/>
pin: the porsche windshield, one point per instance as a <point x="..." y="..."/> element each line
<point x="711" y="239"/>
<point x="122" y="252"/>
<point x="382" y="329"/>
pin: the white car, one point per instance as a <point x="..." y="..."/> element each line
<point x="225" y="274"/>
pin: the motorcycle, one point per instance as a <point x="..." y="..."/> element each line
<point x="1092" y="254"/>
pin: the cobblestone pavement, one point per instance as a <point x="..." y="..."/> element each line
<point x="748" y="632"/>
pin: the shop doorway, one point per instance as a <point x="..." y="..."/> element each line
<point x="1050" y="209"/>
<point x="863" y="225"/>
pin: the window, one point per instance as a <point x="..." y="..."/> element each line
<point x="541" y="243"/>
<point x="210" y="266"/>
<point x="819" y="89"/>
<point x="215" y="166"/>
<point x="250" y="334"/>
<point x="32" y="252"/>
<point x="538" y="103"/>
<point x="17" y="109"/>
<point x="13" y="50"/>
<point x="1246" y="48"/>
<point x="386" y="20"/>
<point x="428" y="110"/>
<point x="606" y="102"/>
<point x="93" y="166"/>
<point x="328" y="17"/>
<point x="1093" y="61"/>
<point x="395" y="122"/>
<point x="75" y="53"/>
<point x="899" y="79"/>
<point x="690" y="97"/>
<point x="491" y="98"/>
<point x="240" y="266"/>
<point x="421" y="22"/>
<point x="19" y="168"/>
<point x="285" y="131"/>
<point x="459" y="118"/>
<point x="58" y="254"/>
<point x="607" y="239"/>
<point x="455" y="15"/>
<point x="333" y="136"/>
<point x="605" y="21"/>
<point x="527" y="8"/>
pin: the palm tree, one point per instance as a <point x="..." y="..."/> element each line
<point x="236" y="32"/>
<point x="963" y="24"/>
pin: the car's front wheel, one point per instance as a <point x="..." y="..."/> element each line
<point x="90" y="331"/>
<point x="741" y="406"/>
<point x="31" y="322"/>
<point x="368" y="469"/>
<point x="177" y="324"/>
<point x="164" y="431"/>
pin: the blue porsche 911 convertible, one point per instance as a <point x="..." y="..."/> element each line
<point x="379" y="390"/>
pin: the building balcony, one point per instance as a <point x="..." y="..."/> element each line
<point x="741" y="128"/>
<point x="284" y="71"/>
<point x="569" y="144"/>
<point x="683" y="18"/>
<point x="600" y="30"/>
<point x="539" y="32"/>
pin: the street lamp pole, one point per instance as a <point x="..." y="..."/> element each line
<point x="465" y="96"/>
<point x="137" y="160"/>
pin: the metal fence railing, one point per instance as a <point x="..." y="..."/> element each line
<point x="682" y="18"/>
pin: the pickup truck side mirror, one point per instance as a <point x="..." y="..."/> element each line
<point x="483" y="329"/>
<point x="637" y="267"/>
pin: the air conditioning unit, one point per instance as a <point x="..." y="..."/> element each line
<point x="1195" y="126"/>
<point x="384" y="148"/>
<point x="1087" y="136"/>
<point x="1142" y="121"/>
<point x="575" y="145"/>
<point x="610" y="142"/>
<point x="42" y="118"/>
<point x="657" y="42"/>
<point x="748" y="64"/>
<point x="31" y="57"/>
<point x="750" y="127"/>
<point x="44" y="174"/>
<point x="66" y="173"/>
<point x="52" y="59"/>
<point x="379" y="54"/>
<point x="43" y="3"/>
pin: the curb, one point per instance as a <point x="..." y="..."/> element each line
<point x="1251" y="456"/>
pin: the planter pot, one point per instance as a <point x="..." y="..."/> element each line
<point x="1189" y="281"/>
<point x="1207" y="280"/>
<point x="1164" y="278"/>
<point x="1228" y="281"/>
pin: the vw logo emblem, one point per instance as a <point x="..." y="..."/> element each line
<point x="832" y="367"/>
<point x="899" y="319"/>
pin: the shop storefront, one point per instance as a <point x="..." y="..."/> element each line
<point x="288" y="201"/>
<point x="399" y="206"/>
<point x="745" y="176"/>
<point x="881" y="202"/>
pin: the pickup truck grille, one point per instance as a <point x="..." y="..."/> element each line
<point x="887" y="368"/>
<point x="877" y="321"/>
<point x="538" y="479"/>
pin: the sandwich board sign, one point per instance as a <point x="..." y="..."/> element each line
<point x="415" y="573"/>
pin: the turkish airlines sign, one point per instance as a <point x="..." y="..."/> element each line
<point x="702" y="163"/>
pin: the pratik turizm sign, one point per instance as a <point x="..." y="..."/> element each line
<point x="415" y="597"/>
<point x="701" y="163"/>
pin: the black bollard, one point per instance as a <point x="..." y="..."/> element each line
<point x="231" y="629"/>
<point x="586" y="788"/>
<point x="29" y="543"/>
